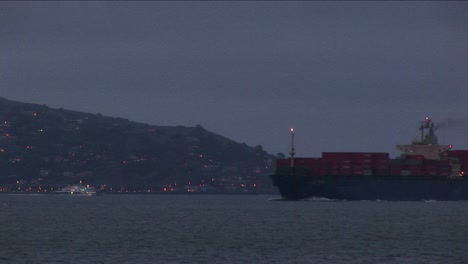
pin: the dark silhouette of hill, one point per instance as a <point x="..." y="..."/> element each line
<point x="40" y="145"/>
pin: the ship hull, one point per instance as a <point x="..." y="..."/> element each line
<point x="389" y="188"/>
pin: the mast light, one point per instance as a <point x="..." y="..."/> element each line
<point x="292" y="152"/>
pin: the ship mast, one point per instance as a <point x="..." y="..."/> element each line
<point x="430" y="138"/>
<point x="292" y="152"/>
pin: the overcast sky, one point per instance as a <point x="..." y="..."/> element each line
<point x="349" y="76"/>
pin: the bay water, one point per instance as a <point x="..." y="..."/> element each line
<point x="228" y="229"/>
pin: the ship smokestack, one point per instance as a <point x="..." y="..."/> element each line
<point x="292" y="153"/>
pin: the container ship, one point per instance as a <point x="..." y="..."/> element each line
<point x="425" y="170"/>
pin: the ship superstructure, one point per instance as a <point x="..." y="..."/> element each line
<point x="428" y="146"/>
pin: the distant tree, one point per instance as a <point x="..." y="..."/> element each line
<point x="280" y="155"/>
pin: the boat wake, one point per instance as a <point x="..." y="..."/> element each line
<point x="276" y="199"/>
<point x="312" y="199"/>
<point x="321" y="199"/>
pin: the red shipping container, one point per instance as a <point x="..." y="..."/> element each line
<point x="444" y="162"/>
<point x="352" y="155"/>
<point x="346" y="173"/>
<point x="457" y="153"/>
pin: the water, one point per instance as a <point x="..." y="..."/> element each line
<point x="228" y="229"/>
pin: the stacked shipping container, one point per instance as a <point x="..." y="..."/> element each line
<point x="369" y="163"/>
<point x="342" y="163"/>
<point x="355" y="163"/>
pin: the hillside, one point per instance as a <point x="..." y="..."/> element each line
<point x="42" y="147"/>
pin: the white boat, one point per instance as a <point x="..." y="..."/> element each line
<point x="78" y="190"/>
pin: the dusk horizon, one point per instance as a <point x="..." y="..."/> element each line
<point x="348" y="76"/>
